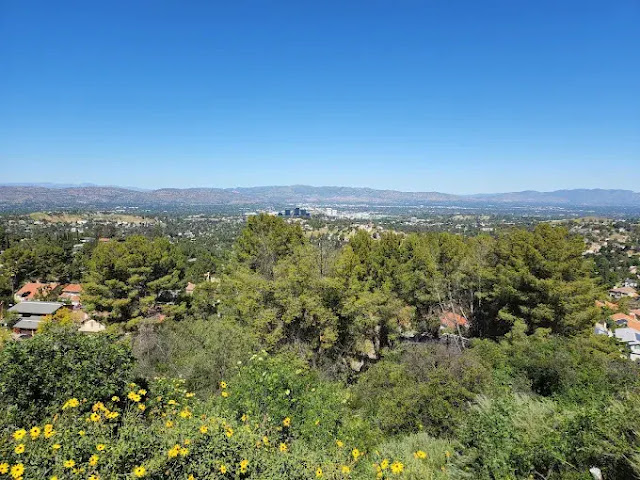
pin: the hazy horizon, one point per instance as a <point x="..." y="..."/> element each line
<point x="232" y="187"/>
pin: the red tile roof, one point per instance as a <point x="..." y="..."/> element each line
<point x="617" y="317"/>
<point x="29" y="290"/>
<point x="72" y="288"/>
<point x="634" y="324"/>
<point x="452" y="320"/>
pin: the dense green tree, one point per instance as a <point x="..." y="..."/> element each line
<point x="542" y="278"/>
<point x="265" y="240"/>
<point x="130" y="279"/>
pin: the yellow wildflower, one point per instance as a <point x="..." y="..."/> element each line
<point x="69" y="463"/>
<point x="283" y="447"/>
<point x="187" y="441"/>
<point x="93" y="460"/>
<point x="34" y="432"/>
<point x="223" y="469"/>
<point x="71" y="403"/>
<point x="345" y="469"/>
<point x="140" y="471"/>
<point x="17" y="470"/>
<point x="265" y="440"/>
<point x="142" y="391"/>
<point x="244" y="417"/>
<point x="184" y="452"/>
<point x="420" y="454"/>
<point x="133" y="396"/>
<point x="384" y="464"/>
<point x="224" y="394"/>
<point x="100" y="447"/>
<point x="174" y="451"/>
<point x="98" y="406"/>
<point x="286" y="422"/>
<point x="141" y="407"/>
<point x="4" y="468"/>
<point x="169" y="424"/>
<point x="204" y="429"/>
<point x="243" y="465"/>
<point x="339" y="443"/>
<point x="397" y="467"/>
<point x="19" y="434"/>
<point x="115" y="398"/>
<point x="223" y="385"/>
<point x="93" y="477"/>
<point x="19" y="448"/>
<point x="185" y="413"/>
<point x="94" y="417"/>
<point x="228" y="431"/>
<point x="318" y="472"/>
<point x="189" y="394"/>
<point x="81" y="433"/>
<point x="172" y="402"/>
<point x="56" y="446"/>
<point x="355" y="453"/>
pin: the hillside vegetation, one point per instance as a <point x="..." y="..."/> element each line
<point x="304" y="359"/>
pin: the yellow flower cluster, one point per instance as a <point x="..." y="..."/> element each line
<point x="188" y="422"/>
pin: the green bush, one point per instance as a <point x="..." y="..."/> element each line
<point x="424" y="388"/>
<point x="40" y="372"/>
<point x="202" y="352"/>
<point x="283" y="387"/>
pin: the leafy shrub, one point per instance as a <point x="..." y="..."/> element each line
<point x="52" y="366"/>
<point x="423" y="457"/>
<point x="425" y="388"/>
<point x="202" y="352"/>
<point x="283" y="387"/>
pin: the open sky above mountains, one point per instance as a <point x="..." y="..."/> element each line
<point x="458" y="97"/>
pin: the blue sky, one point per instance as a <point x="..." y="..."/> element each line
<point x="452" y="96"/>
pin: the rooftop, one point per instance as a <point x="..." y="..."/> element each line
<point x="628" y="335"/>
<point x="36" y="308"/>
<point x="28" y="323"/>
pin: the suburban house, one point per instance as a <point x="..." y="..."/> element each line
<point x="631" y="337"/>
<point x="91" y="326"/>
<point x="71" y="292"/>
<point x="31" y="315"/>
<point x="620" y="292"/>
<point x="32" y="290"/>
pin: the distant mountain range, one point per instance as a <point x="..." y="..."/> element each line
<point x="49" y="195"/>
